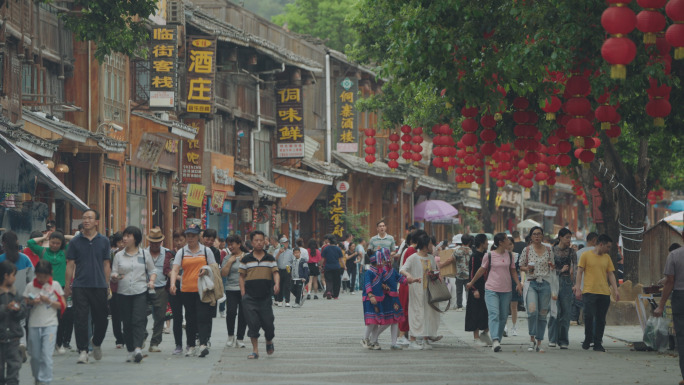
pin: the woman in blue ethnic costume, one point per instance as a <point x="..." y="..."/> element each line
<point x="373" y="296"/>
<point x="391" y="304"/>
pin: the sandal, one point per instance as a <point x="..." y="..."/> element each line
<point x="270" y="349"/>
<point x="253" y="356"/>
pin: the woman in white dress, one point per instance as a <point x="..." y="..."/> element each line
<point x="423" y="319"/>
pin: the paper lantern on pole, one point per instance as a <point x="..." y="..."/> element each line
<point x="406" y="146"/>
<point x="393" y="153"/>
<point x="416" y="148"/>
<point x="675" y="32"/>
<point x="618" y="20"/>
<point x="370" y="145"/>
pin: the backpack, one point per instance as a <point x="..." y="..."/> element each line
<point x="461" y="262"/>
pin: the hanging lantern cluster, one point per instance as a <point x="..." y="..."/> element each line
<point x="675" y="32"/>
<point x="370" y="145"/>
<point x="393" y="153"/>
<point x="444" y="147"/>
<point x="655" y="196"/>
<point x="488" y="135"/>
<point x="406" y="143"/>
<point x="527" y="140"/>
<point x="469" y="126"/>
<point x="579" y="192"/>
<point x="578" y="107"/>
<point x="586" y="149"/>
<point x="605" y="113"/>
<point x="416" y="147"/>
<point x="563" y="145"/>
<point x="650" y="21"/>
<point x="658" y="106"/>
<point x="618" y="50"/>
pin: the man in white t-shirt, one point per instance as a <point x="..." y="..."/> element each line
<point x="382" y="239"/>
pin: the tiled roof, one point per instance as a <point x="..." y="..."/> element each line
<point x="262" y="186"/>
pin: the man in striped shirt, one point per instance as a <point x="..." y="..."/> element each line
<point x="259" y="280"/>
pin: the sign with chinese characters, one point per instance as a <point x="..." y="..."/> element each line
<point x="346" y="135"/>
<point x="222" y="173"/>
<point x="201" y="71"/>
<point x="193" y="149"/>
<point x="163" y="58"/>
<point x="337" y="207"/>
<point x="289" y="122"/>
<point x="149" y="151"/>
<point x="195" y="195"/>
<point x="217" y="198"/>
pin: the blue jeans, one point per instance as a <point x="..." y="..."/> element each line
<point x="41" y="344"/>
<point x="537" y="303"/>
<point x="559" y="326"/>
<point x="498" y="306"/>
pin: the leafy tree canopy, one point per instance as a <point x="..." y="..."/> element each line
<point x="113" y="25"/>
<point x="324" y="19"/>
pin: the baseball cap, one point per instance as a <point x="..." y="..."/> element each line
<point x="193" y="229"/>
<point x="283" y="240"/>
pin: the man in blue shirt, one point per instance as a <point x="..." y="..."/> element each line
<point x="88" y="263"/>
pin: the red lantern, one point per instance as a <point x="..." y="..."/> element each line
<point x="649" y="21"/>
<point x="618" y="51"/>
<point x="551" y="106"/>
<point x="580" y="127"/>
<point x="618" y="20"/>
<point x="675" y="32"/>
<point x="370" y="144"/>
<point x="658" y="109"/>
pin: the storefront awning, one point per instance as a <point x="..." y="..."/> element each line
<point x="27" y="141"/>
<point x="17" y="163"/>
<point x="302" y="187"/>
<point x="262" y="186"/>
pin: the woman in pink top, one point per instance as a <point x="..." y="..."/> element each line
<point x="314" y="272"/>
<point x="498" y="266"/>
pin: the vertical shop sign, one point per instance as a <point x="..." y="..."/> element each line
<point x="337" y="207"/>
<point x="289" y="122"/>
<point x="201" y="71"/>
<point x="193" y="149"/>
<point x="195" y="195"/>
<point x="347" y="138"/>
<point x="164" y="49"/>
<point x="217" y="198"/>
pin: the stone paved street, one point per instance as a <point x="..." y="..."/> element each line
<point x="319" y="344"/>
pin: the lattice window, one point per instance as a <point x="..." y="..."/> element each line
<point x="114" y="90"/>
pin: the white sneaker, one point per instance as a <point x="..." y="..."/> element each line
<point x="403" y="341"/>
<point x="280" y="304"/>
<point x="365" y="343"/>
<point x="231" y="342"/>
<point x="413" y="345"/>
<point x="223" y="314"/>
<point x="287" y="304"/>
<point x="83" y="357"/>
<point x="239" y="344"/>
<point x="532" y="346"/>
<point x="97" y="353"/>
<point x="61" y="350"/>
<point x="426" y="345"/>
<point x="496" y="346"/>
<point x="130" y="357"/>
<point x="484" y="337"/>
<point x="514" y="330"/>
<point x="190" y="351"/>
<point x="552" y="344"/>
<point x="375" y="346"/>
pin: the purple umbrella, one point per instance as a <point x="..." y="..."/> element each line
<point x="434" y="209"/>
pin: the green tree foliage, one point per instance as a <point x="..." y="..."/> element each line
<point x="113" y="25"/>
<point x="460" y="51"/>
<point x="324" y="19"/>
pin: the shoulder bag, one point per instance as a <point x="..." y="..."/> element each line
<point x="437" y="292"/>
<point x="151" y="294"/>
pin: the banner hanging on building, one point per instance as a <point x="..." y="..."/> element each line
<point x="289" y="123"/>
<point x="337" y="207"/>
<point x="193" y="150"/>
<point x="201" y="72"/>
<point x="217" y="198"/>
<point x="195" y="195"/>
<point x="347" y="128"/>
<point x="163" y="59"/>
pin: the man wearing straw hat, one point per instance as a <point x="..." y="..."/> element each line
<point x="158" y="254"/>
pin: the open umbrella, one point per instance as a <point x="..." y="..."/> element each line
<point x="433" y="209"/>
<point x="676" y="220"/>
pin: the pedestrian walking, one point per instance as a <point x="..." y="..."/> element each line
<point x="230" y="270"/>
<point x="284" y="257"/>
<point x="135" y="272"/>
<point x="332" y="255"/>
<point x="577" y="304"/>
<point x="373" y="296"/>
<point x="423" y="318"/>
<point x="300" y="273"/>
<point x="175" y="300"/>
<point x="198" y="315"/>
<point x="460" y="258"/>
<point x="45" y="300"/>
<point x="476" y="318"/>
<point x="350" y="259"/>
<point x="259" y="280"/>
<point x="314" y="260"/>
<point x="516" y="297"/>
<point x="116" y="242"/>
<point x="408" y="249"/>
<point x="537" y="261"/>
<point x="565" y="260"/>
<point x="89" y="264"/>
<point x="12" y="311"/>
<point x="498" y="268"/>
<point x="158" y="253"/>
<point x="390" y="304"/>
<point x="382" y="239"/>
<point x="55" y="254"/>
<point x="597" y="269"/>
<point x="674" y="286"/>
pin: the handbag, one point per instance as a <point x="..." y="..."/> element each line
<point x="437" y="291"/>
<point x="151" y="294"/>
